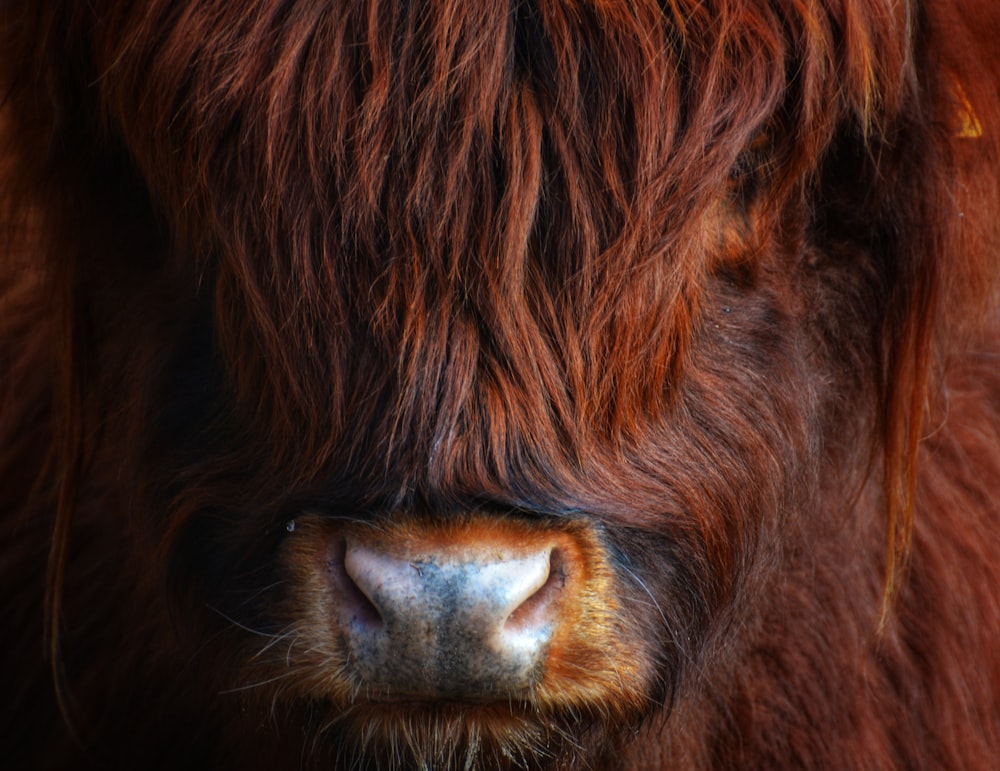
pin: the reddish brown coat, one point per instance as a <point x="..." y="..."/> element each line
<point x="703" y="293"/>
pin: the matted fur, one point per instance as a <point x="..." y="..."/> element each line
<point x="711" y="284"/>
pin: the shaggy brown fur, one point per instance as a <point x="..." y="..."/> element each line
<point x="706" y="288"/>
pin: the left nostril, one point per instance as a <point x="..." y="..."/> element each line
<point x="354" y="604"/>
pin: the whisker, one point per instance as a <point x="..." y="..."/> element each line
<point x="259" y="683"/>
<point x="290" y="634"/>
<point x="652" y="597"/>
<point x="263" y="590"/>
<point x="239" y="625"/>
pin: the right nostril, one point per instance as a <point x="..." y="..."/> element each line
<point x="535" y="612"/>
<point x="356" y="607"/>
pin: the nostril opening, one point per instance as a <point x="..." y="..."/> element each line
<point x="352" y="603"/>
<point x="536" y="610"/>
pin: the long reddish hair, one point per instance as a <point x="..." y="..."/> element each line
<point x="531" y="197"/>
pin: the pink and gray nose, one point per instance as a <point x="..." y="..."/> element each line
<point x="472" y="623"/>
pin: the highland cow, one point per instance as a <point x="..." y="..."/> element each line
<point x="531" y="384"/>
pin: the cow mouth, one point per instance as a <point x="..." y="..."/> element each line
<point x="398" y="734"/>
